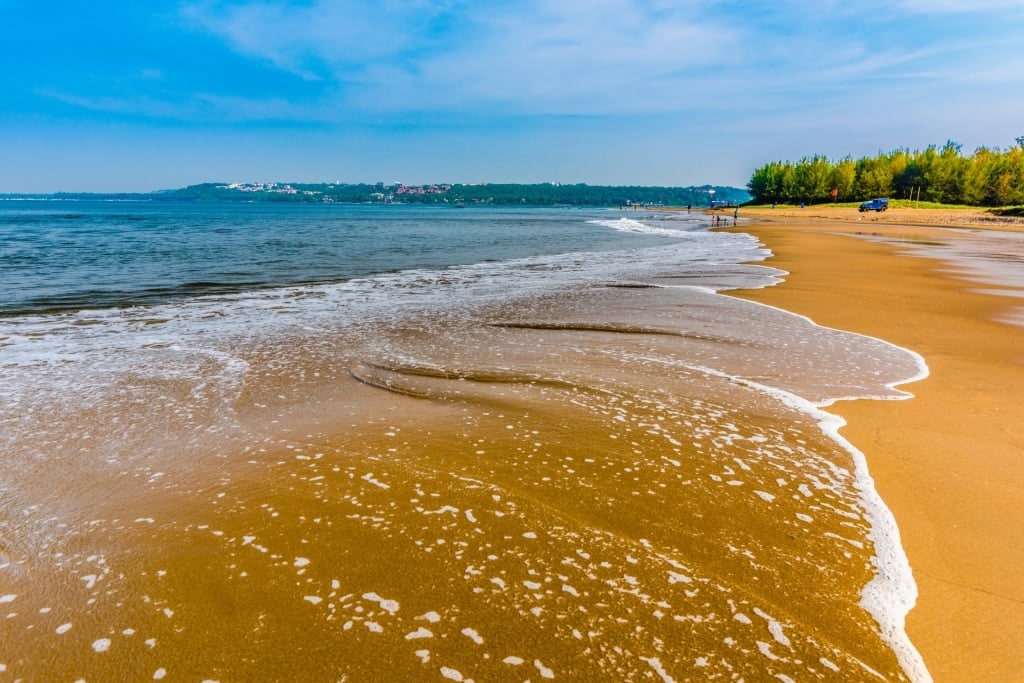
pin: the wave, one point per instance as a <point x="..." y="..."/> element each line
<point x="635" y="226"/>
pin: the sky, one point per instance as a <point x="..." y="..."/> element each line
<point x="113" y="96"/>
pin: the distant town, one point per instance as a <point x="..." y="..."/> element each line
<point x="397" y="191"/>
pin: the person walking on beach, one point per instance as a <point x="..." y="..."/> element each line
<point x="735" y="214"/>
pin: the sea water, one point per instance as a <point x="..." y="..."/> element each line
<point x="276" y="442"/>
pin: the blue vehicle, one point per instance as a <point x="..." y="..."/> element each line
<point x="874" y="205"/>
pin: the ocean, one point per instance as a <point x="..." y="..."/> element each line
<point x="329" y="443"/>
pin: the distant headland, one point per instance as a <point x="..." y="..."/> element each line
<point x="502" y="194"/>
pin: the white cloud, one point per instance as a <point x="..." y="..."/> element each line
<point x="304" y="39"/>
<point x="412" y="60"/>
<point x="543" y="55"/>
<point x="576" y="58"/>
<point x="962" y="6"/>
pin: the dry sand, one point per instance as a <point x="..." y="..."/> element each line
<point x="950" y="462"/>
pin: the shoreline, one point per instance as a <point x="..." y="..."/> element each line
<point x="601" y="475"/>
<point x="946" y="462"/>
<point x="565" y="465"/>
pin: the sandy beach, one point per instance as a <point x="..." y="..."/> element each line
<point x="578" y="466"/>
<point x="949" y="462"/>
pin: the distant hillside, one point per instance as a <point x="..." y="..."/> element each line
<point x="540" y="194"/>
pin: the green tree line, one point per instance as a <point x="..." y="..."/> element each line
<point x="989" y="177"/>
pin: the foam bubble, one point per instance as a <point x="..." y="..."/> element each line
<point x="389" y="606"/>
<point x="419" y="634"/>
<point x="473" y="635"/>
<point x="452" y="674"/>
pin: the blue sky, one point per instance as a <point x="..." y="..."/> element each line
<point x="104" y="96"/>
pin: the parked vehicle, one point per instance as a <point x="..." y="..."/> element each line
<point x="874" y="205"/>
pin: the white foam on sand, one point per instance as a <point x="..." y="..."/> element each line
<point x="544" y="671"/>
<point x="389" y="606"/>
<point x="419" y="634"/>
<point x="655" y="664"/>
<point x="473" y="635"/>
<point x="892" y="593"/>
<point x="452" y="674"/>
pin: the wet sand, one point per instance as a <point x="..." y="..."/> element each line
<point x="950" y="462"/>
<point x="609" y="481"/>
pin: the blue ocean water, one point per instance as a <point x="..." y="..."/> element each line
<point x="60" y="255"/>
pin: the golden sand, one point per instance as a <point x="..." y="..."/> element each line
<point x="556" y="489"/>
<point x="950" y="462"/>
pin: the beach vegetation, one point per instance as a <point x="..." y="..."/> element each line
<point x="945" y="176"/>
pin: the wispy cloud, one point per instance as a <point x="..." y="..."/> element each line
<point x="591" y="57"/>
<point x="132" y="105"/>
<point x="196" y="107"/>
<point x="404" y="63"/>
<point x="1014" y="7"/>
<point x="315" y="40"/>
<point x="536" y="56"/>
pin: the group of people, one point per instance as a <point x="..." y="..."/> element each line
<point x="717" y="219"/>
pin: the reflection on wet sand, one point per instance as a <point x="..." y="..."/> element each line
<point x="606" y="484"/>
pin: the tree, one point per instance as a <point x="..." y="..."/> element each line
<point x="989" y="177"/>
<point x="946" y="175"/>
<point x="874" y="177"/>
<point x="905" y="174"/>
<point x="766" y="183"/>
<point x="844" y="177"/>
<point x="819" y="179"/>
